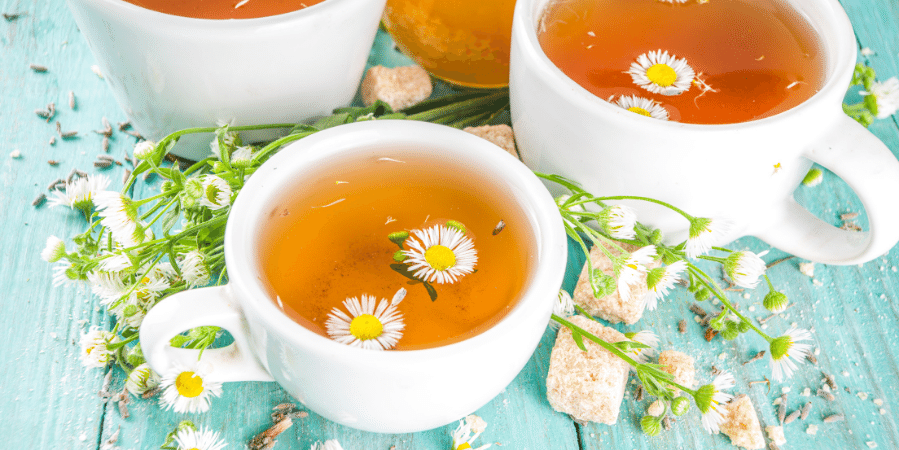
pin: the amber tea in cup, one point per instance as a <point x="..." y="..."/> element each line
<point x="464" y="42"/>
<point x="328" y="241"/>
<point x="728" y="61"/>
<point x="224" y="9"/>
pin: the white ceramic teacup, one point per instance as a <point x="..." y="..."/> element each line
<point x="170" y="72"/>
<point x="743" y="173"/>
<point x="382" y="391"/>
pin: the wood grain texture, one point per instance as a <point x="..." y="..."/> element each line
<point x="50" y="401"/>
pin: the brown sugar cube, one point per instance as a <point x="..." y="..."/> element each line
<point x="680" y="365"/>
<point x="611" y="307"/>
<point x="400" y="87"/>
<point x="588" y="386"/>
<point x="741" y="424"/>
<point x="501" y="135"/>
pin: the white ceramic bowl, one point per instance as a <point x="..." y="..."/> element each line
<point x="171" y="72"/>
<point x="393" y="391"/>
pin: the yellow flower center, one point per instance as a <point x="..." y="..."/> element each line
<point x="440" y="257"/>
<point x="662" y="75"/>
<point x="365" y="327"/>
<point x="641" y="112"/>
<point x="189" y="384"/>
<point x="464" y="446"/>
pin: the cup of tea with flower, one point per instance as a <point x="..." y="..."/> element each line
<point x="393" y="276"/>
<point x="174" y="64"/>
<point x="720" y="107"/>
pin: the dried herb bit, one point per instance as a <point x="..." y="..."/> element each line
<point x="638" y="393"/>
<point x="12" y="16"/>
<point x="72" y="103"/>
<point x="41" y="198"/>
<point x="806" y="409"/>
<point x="834" y="418"/>
<point x="793" y="416"/>
<point x="831" y="382"/>
<point x="268" y="438"/>
<point x="53" y="162"/>
<point x="710" y="334"/>
<point x="37" y="68"/>
<point x="499" y="227"/>
<point x="755" y="358"/>
<point x="825" y="395"/>
<point x="782" y="408"/>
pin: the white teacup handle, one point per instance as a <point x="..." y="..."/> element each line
<point x="194" y="308"/>
<point x="870" y="169"/>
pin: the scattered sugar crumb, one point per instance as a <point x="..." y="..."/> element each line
<point x="807" y="268"/>
<point x="785" y="389"/>
<point x="862" y="395"/>
<point x="817" y="351"/>
<point x="843" y="373"/>
<point x="878" y="401"/>
<point x="776" y="434"/>
<point x="53" y="335"/>
<point x="806" y="392"/>
<point x="746" y="296"/>
<point x="15" y="154"/>
<point x="871" y="444"/>
<point x="751" y="308"/>
<point x="82" y="437"/>
<point x="96" y="69"/>
<point x="812" y="429"/>
<point x="722" y="356"/>
<point x="867" y="52"/>
<point x="817" y="282"/>
<point x="882" y="411"/>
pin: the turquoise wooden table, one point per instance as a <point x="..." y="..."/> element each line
<point x="49" y="401"/>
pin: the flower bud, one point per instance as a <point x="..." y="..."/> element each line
<point x="144" y="150"/>
<point x="141" y="380"/>
<point x="680" y="405"/>
<point x="652" y="426"/>
<point x="54" y="250"/>
<point x="602" y="284"/>
<point x="775" y="301"/>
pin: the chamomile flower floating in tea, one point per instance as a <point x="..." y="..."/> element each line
<point x="189" y="438"/>
<point x="661" y="73"/>
<point x="642" y="106"/>
<point x="188" y="389"/>
<point x="660" y="280"/>
<point x="786" y="353"/>
<point x="440" y="254"/>
<point x="370" y="324"/>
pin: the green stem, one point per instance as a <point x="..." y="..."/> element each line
<point x="278" y="143"/>
<point x="650" y="200"/>
<point x="715" y="290"/>
<point x="614" y="350"/>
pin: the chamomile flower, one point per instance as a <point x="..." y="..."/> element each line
<point x="144" y="149"/>
<point x="115" y="262"/>
<point x="786" y="353"/>
<point x="440" y="254"/>
<point x="660" y="280"/>
<point x="216" y="192"/>
<point x="661" y="73"/>
<point x="119" y="214"/>
<point x="704" y="233"/>
<point x="193" y="268"/>
<point x="141" y="379"/>
<point x="188" y="389"/>
<point x="331" y="444"/>
<point x="370" y="324"/>
<point x="108" y="286"/>
<point x="189" y="438"/>
<point x="745" y="268"/>
<point x="630" y="269"/>
<point x="468" y="430"/>
<point x="709" y="399"/>
<point x="642" y="355"/>
<point x="886" y="95"/>
<point x="94" y="347"/>
<point x="618" y="221"/>
<point x="562" y="307"/>
<point x="642" y="106"/>
<point x="242" y="156"/>
<point x="79" y="194"/>
<point x="54" y="250"/>
<point x="63" y="273"/>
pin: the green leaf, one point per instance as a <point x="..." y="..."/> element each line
<point x="578" y="340"/>
<point x="333" y="121"/>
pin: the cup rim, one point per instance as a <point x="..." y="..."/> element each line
<point x="550" y="244"/>
<point x="200" y="24"/>
<point x="844" y="54"/>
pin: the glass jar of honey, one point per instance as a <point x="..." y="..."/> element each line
<point x="463" y="42"/>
